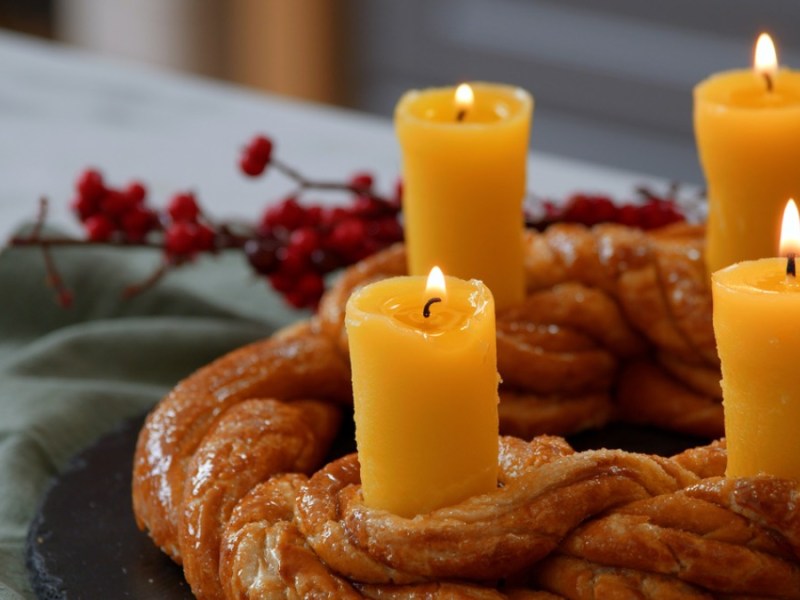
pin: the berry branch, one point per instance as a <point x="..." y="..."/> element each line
<point x="296" y="242"/>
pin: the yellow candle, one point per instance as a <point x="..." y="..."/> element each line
<point x="425" y="392"/>
<point x="756" y="308"/>
<point x="464" y="181"/>
<point x="747" y="125"/>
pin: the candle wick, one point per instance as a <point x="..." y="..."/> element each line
<point x="768" y="77"/>
<point x="790" y="267"/>
<point x="461" y="114"/>
<point x="426" y="312"/>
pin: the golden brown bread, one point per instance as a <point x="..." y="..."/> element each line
<point x="598" y="301"/>
<point x="616" y="325"/>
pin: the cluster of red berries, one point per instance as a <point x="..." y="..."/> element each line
<point x="297" y="245"/>
<point x="590" y="210"/>
<point x="187" y="231"/>
<point x="122" y="215"/>
<point x="256" y="156"/>
<point x="107" y="212"/>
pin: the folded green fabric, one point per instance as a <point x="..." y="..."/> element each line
<point x="68" y="376"/>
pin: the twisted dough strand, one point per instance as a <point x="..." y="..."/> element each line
<point x="291" y="366"/>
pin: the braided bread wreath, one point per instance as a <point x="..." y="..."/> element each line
<point x="616" y="325"/>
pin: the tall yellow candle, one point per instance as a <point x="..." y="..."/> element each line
<point x="464" y="165"/>
<point x="747" y="125"/>
<point x="757" y="327"/>
<point x="425" y="392"/>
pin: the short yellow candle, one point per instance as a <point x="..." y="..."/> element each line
<point x="425" y="392"/>
<point x="747" y="125"/>
<point x="464" y="167"/>
<point x="756" y="308"/>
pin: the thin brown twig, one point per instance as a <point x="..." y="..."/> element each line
<point x="304" y="183"/>
<point x="137" y="288"/>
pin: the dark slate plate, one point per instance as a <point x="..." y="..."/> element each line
<point x="84" y="542"/>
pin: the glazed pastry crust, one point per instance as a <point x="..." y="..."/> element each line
<point x="616" y="325"/>
<point x="230" y="476"/>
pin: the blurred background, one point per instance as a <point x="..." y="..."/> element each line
<point x="612" y="78"/>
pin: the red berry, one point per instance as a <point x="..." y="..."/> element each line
<point x="347" y="235"/>
<point x="281" y="281"/>
<point x="628" y="215"/>
<point x="256" y="156"/>
<point x="90" y="184"/>
<point x="325" y="261"/>
<point x="296" y="299"/>
<point x="84" y="207"/>
<point x="313" y="216"/>
<point x="311" y="285"/>
<point x="578" y="210"/>
<point x="304" y="240"/>
<point x="262" y="254"/>
<point x="204" y="237"/>
<point x="603" y="209"/>
<point x="260" y="148"/>
<point x="179" y="239"/>
<point x="292" y="260"/>
<point x="332" y="216"/>
<point x="136" y="192"/>
<point x="115" y="204"/>
<point x="362" y="182"/>
<point x="288" y="215"/>
<point x="367" y="206"/>
<point x="386" y="229"/>
<point x="251" y="166"/>
<point x="138" y="222"/>
<point x="183" y="207"/>
<point x="98" y="228"/>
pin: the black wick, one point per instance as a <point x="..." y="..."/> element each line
<point x="790" y="269"/>
<point x="426" y="312"/>
<point x="461" y="114"/>
<point x="768" y="77"/>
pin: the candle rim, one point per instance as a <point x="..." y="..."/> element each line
<point x="524" y="97"/>
<point x="480" y="300"/>
<point x="704" y="93"/>
<point x="777" y="270"/>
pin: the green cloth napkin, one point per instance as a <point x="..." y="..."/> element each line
<point x="68" y="376"/>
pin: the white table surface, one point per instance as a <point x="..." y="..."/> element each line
<point x="62" y="110"/>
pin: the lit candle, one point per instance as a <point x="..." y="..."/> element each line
<point x="756" y="307"/>
<point x="464" y="163"/>
<point x="747" y="125"/>
<point x="424" y="365"/>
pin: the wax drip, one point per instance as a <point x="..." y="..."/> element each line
<point x="426" y="312"/>
<point x="768" y="78"/>
<point x="790" y="267"/>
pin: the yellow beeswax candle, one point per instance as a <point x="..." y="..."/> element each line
<point x="747" y="126"/>
<point x="758" y="339"/>
<point x="425" y="392"/>
<point x="464" y="169"/>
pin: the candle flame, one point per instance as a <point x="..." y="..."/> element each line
<point x="790" y="230"/>
<point x="436" y="284"/>
<point x="766" y="59"/>
<point x="464" y="97"/>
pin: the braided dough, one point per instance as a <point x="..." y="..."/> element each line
<point x="616" y="325"/>
<point x="230" y="477"/>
